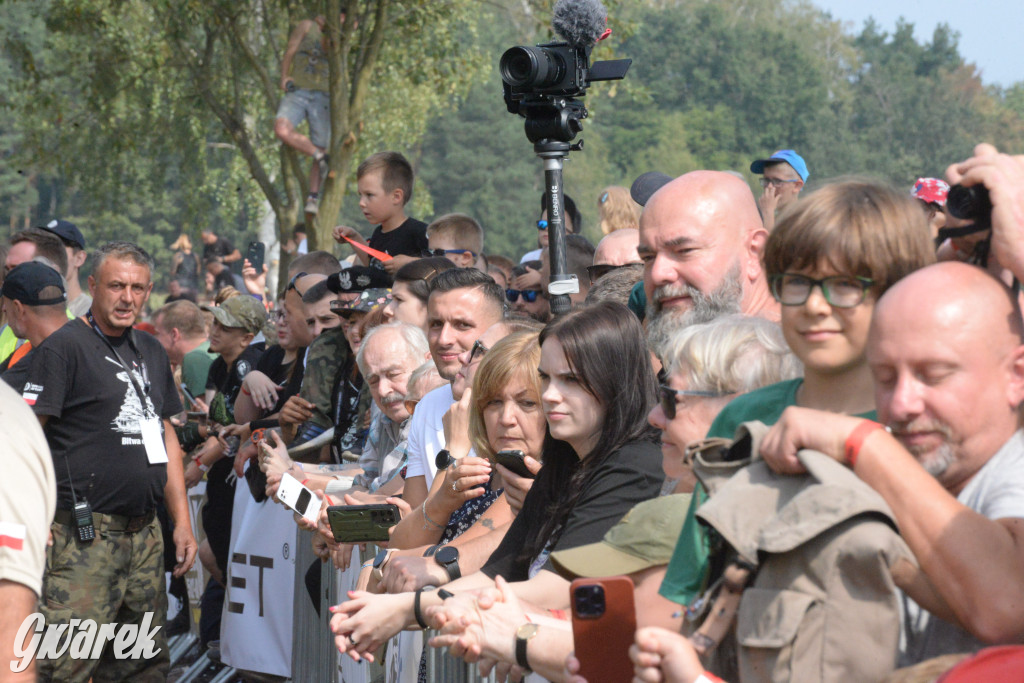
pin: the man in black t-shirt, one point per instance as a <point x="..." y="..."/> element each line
<point x="218" y="248"/>
<point x="104" y="396"/>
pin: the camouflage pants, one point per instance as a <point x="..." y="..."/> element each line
<point x="115" y="579"/>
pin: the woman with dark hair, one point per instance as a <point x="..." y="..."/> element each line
<point x="600" y="459"/>
<point x="409" y="292"/>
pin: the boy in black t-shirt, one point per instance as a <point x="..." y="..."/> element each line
<point x="384" y="181"/>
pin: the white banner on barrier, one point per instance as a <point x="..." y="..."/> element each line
<point x="256" y="630"/>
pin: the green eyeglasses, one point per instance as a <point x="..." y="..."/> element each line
<point x="841" y="291"/>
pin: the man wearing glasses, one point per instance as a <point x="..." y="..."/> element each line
<point x="783" y="175"/>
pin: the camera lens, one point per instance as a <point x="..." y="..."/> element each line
<point x="970" y="203"/>
<point x="531" y="67"/>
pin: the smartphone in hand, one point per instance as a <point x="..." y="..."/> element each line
<point x="298" y="498"/>
<point x="362" y="523"/>
<point x="513" y="462"/>
<point x="603" y="627"/>
<point x="256" y="255"/>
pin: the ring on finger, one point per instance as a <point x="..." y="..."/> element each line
<point x="455" y="486"/>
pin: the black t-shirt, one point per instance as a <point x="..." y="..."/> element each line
<point x="272" y="365"/>
<point x="219" y="249"/>
<point x="408" y="239"/>
<point x="94" y="412"/>
<point x="629" y="476"/>
<point x="15" y="377"/>
<point x="229" y="382"/>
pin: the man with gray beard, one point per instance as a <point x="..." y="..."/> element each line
<point x="946" y="350"/>
<point x="701" y="240"/>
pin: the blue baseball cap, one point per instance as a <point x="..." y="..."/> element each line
<point x="787" y="155"/>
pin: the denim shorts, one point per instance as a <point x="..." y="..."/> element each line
<point x="313" y="106"/>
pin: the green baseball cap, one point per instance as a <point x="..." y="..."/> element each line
<point x="644" y="538"/>
<point x="242" y="311"/>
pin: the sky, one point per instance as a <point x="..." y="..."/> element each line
<point x="990" y="30"/>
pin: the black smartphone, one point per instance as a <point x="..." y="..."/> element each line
<point x="256" y="254"/>
<point x="513" y="462"/>
<point x="189" y="396"/>
<point x="362" y="523"/>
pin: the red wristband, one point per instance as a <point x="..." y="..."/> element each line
<point x="856" y="439"/>
<point x="246" y="391"/>
<point x="708" y="677"/>
<point x="559" y="614"/>
<point x="304" y="481"/>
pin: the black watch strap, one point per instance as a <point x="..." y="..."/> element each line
<point x="448" y="557"/>
<point x="429" y="552"/>
<point x="417" y="611"/>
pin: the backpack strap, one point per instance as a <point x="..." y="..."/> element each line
<point x="738" y="575"/>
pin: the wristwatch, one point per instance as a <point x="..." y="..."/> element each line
<point x="443" y="459"/>
<point x="523" y="634"/>
<point x="378" y="563"/>
<point x="448" y="557"/>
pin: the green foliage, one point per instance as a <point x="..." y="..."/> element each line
<point x="146" y="118"/>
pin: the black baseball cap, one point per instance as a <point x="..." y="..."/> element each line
<point x="646" y="185"/>
<point x="358" y="279"/>
<point x="26" y="281"/>
<point x="67" y="231"/>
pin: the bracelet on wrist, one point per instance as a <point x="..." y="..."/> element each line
<point x="199" y="463"/>
<point x="423" y="509"/>
<point x="851" y="448"/>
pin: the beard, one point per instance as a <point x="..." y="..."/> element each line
<point x="934" y="461"/>
<point x="664" y="323"/>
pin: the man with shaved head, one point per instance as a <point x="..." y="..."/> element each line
<point x="701" y="240"/>
<point x="946" y="350"/>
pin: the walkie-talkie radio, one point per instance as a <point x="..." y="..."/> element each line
<point x="83" y="521"/>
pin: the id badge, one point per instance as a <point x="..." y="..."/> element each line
<point x="153" y="440"/>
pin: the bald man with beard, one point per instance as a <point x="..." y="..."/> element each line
<point x="701" y="241"/>
<point x="946" y="350"/>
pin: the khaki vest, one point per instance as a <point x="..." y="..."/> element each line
<point x="822" y="605"/>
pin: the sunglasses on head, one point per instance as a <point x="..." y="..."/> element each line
<point x="670" y="397"/>
<point x="291" y="283"/>
<point x="597" y="272"/>
<point x="529" y="295"/>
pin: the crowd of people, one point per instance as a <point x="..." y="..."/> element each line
<point x="777" y="438"/>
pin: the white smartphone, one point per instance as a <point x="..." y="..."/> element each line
<point x="297" y="497"/>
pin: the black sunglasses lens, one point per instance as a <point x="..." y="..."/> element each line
<point x="512" y="295"/>
<point x="668" y="402"/>
<point x="530" y="295"/>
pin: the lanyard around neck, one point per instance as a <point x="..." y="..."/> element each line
<point x="142" y="394"/>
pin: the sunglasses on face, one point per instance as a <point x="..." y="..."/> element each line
<point x="670" y="398"/>
<point x="427" y="253"/>
<point x="529" y="295"/>
<point x="477" y="351"/>
<point x="542" y="225"/>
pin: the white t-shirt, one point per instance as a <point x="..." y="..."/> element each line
<point x="997" y="492"/>
<point x="426" y="433"/>
<point x="531" y="255"/>
<point x="28" y="493"/>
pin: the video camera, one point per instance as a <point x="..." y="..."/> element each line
<point x="541" y="82"/>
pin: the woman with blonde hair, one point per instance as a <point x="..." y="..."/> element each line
<point x="185" y="263"/>
<point x="617" y="209"/>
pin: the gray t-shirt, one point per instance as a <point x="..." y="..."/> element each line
<point x="997" y="492"/>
